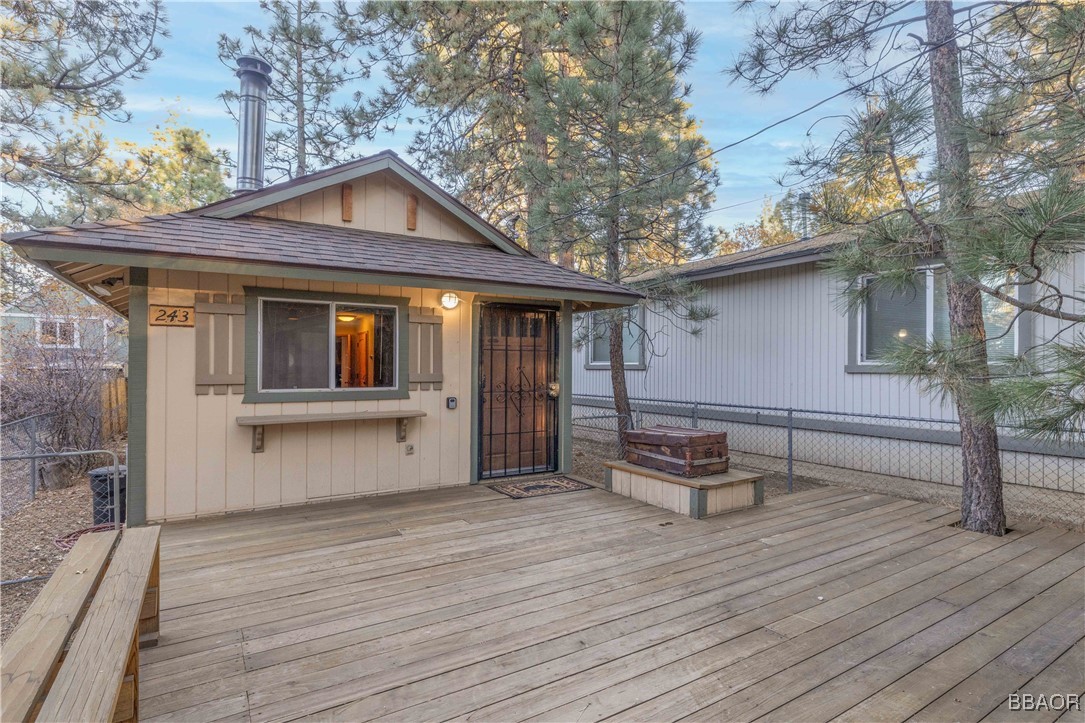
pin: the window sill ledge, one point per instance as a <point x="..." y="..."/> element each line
<point x="273" y="419"/>
<point x="869" y="369"/>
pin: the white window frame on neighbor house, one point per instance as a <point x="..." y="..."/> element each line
<point x="929" y="275"/>
<point x="39" y="321"/>
<point x="591" y="363"/>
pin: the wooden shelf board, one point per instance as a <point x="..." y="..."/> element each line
<point x="273" y="419"/>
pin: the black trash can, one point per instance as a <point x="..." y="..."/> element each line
<point x="101" y="489"/>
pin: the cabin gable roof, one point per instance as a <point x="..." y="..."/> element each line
<point x="389" y="161"/>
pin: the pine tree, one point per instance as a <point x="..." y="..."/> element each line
<point x="629" y="185"/>
<point x="64" y="65"/>
<point x="997" y="123"/>
<point x="458" y="73"/>
<point x="177" y="171"/>
<point x="316" y="55"/>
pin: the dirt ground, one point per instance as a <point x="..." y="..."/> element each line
<point x="27" y="549"/>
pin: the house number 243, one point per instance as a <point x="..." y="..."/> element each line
<point x="171" y="315"/>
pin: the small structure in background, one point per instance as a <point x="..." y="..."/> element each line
<point x="64" y="373"/>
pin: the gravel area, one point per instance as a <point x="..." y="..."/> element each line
<point x="27" y="549"/>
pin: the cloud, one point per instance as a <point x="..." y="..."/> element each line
<point x="194" y="107"/>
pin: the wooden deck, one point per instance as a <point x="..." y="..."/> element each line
<point x="462" y="603"/>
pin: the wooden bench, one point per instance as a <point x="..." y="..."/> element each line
<point x="75" y="654"/>
<point x="698" y="497"/>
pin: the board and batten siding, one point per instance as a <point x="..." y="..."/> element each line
<point x="780" y="339"/>
<point x="200" y="461"/>
<point x="379" y="204"/>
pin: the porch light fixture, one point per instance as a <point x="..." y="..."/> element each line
<point x="902" y="334"/>
<point x="105" y="286"/>
<point x="450" y="300"/>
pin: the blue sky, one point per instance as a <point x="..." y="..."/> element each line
<point x="188" y="78"/>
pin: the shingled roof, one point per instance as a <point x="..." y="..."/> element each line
<point x="749" y="260"/>
<point x="261" y="240"/>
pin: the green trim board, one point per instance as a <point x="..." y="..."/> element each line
<point x="71" y="253"/>
<point x="136" y="494"/>
<point x="475" y="398"/>
<point x="698" y="503"/>
<point x="565" y="391"/>
<point x="253" y="395"/>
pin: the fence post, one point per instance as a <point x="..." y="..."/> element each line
<point x="790" y="448"/>
<point x="694" y="417"/>
<point x="34" y="460"/>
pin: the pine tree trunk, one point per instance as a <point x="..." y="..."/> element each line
<point x="299" y="96"/>
<point x="616" y="326"/>
<point x="536" y="144"/>
<point x="981" y="495"/>
<point x="614" y="247"/>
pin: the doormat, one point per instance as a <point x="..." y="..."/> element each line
<point x="538" y="488"/>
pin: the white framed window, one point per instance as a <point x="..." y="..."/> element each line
<point x="632" y="338"/>
<point x="327" y="346"/>
<point x="58" y="333"/>
<point x="922" y="312"/>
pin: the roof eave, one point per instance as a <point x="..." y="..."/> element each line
<point x="42" y="254"/>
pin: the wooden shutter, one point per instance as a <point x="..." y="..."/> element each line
<point x="425" y="344"/>
<point x="220" y="344"/>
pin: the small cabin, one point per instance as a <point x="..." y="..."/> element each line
<point x="355" y="331"/>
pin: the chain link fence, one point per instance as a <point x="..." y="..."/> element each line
<point x="912" y="457"/>
<point x="33" y="464"/>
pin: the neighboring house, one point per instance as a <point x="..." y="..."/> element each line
<point x="783" y="339"/>
<point x="350" y="332"/>
<point x="63" y="328"/>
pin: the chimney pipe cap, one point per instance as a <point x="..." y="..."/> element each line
<point x="253" y="64"/>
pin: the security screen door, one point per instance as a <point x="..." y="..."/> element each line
<point x="518" y="406"/>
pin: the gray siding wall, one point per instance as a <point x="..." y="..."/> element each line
<point x="780" y="339"/>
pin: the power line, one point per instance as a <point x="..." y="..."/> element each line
<point x="926" y="51"/>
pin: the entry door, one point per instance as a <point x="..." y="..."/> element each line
<point x="518" y="406"/>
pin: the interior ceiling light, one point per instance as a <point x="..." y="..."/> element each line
<point x="345" y="317"/>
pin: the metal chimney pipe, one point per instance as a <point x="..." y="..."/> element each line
<point x="255" y="75"/>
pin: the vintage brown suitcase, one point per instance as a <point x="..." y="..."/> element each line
<point x="678" y="450"/>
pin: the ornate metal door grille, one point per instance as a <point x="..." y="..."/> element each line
<point x="518" y="373"/>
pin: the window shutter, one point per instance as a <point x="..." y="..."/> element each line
<point x="425" y="355"/>
<point x="220" y="344"/>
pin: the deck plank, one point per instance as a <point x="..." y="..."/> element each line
<point x="461" y="603"/>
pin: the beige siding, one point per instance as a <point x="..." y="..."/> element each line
<point x="200" y="461"/>
<point x="380" y="204"/>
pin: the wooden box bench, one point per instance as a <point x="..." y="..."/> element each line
<point x="75" y="653"/>
<point x="698" y="497"/>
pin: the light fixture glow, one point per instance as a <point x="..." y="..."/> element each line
<point x="450" y="300"/>
<point x="902" y="334"/>
<point x="345" y="317"/>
